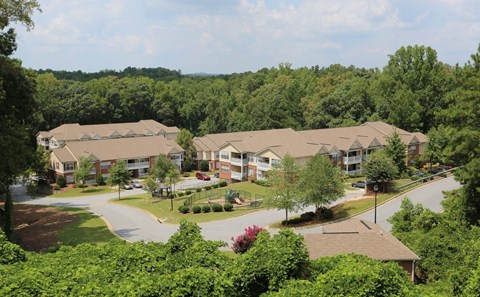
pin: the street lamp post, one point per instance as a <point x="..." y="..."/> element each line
<point x="375" y="189"/>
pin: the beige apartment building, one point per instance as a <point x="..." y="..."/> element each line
<point x="250" y="155"/>
<point x="138" y="144"/>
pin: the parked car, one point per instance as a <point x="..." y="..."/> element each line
<point x="362" y="183"/>
<point x="202" y="176"/>
<point x="127" y="187"/>
<point x="137" y="185"/>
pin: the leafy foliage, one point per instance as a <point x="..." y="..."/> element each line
<point x="396" y="150"/>
<point x="82" y="171"/>
<point x="380" y="168"/>
<point x="119" y="175"/>
<point x="244" y="242"/>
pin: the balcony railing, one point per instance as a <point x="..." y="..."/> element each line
<point x="138" y="165"/>
<point x="352" y="160"/>
<point x="238" y="175"/>
<point x="263" y="165"/>
<point x="358" y="171"/>
<point x="239" y="162"/>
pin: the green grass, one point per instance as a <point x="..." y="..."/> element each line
<point x="91" y="190"/>
<point x="88" y="229"/>
<point x="250" y="187"/>
<point x="161" y="209"/>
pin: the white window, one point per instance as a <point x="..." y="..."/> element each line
<point x="57" y="165"/>
<point x="225" y="155"/>
<point x="275" y="162"/>
<point x="69" y="166"/>
<point x="216" y="155"/>
<point x="105" y="165"/>
<point x="250" y="171"/>
<point x="144" y="160"/>
<point x="251" y="159"/>
<point x="225" y="168"/>
<point x="413" y="148"/>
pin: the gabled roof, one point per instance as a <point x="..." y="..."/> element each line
<point x="70" y="132"/>
<point x="123" y="148"/>
<point x="63" y="155"/>
<point x="358" y="237"/>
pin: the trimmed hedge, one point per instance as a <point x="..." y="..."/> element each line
<point x="223" y="183"/>
<point x="207" y="188"/>
<point x="184" y="209"/>
<point x="217" y="207"/>
<point x="196" y="209"/>
<point x="198" y="190"/>
<point x="215" y="186"/>
<point x="206" y="208"/>
<point x="61" y="181"/>
<point x="188" y="192"/>
<point x="228" y="207"/>
<point x="180" y="194"/>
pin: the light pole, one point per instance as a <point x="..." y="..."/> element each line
<point x="375" y="189"/>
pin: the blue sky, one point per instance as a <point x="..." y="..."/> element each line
<point x="227" y="36"/>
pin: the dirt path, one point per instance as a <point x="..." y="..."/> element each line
<point x="36" y="227"/>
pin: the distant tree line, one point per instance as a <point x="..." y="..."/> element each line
<point x="407" y="93"/>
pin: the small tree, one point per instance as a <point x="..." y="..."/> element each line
<point x="119" y="175"/>
<point x="184" y="139"/>
<point x="380" y="168"/>
<point x="82" y="171"/>
<point x="150" y="186"/>
<point x="162" y="167"/>
<point x="245" y="241"/>
<point x="204" y="165"/>
<point x="61" y="181"/>
<point x="321" y="182"/>
<point x="437" y="142"/>
<point x="99" y="179"/>
<point x="396" y="150"/>
<point x="173" y="177"/>
<point x="284" y="193"/>
<point x="40" y="161"/>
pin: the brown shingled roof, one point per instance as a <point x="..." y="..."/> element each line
<point x="358" y="237"/>
<point x="124" y="148"/>
<point x="63" y="155"/>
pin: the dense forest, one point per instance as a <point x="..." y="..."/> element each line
<point x="407" y="93"/>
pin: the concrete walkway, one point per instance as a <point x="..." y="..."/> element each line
<point x="133" y="224"/>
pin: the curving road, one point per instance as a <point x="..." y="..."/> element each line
<point x="133" y="224"/>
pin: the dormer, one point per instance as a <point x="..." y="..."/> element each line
<point x="85" y="136"/>
<point x="114" y="134"/>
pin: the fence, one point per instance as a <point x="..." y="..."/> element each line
<point x="213" y="195"/>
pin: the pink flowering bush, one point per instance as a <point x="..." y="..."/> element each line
<point x="245" y="241"/>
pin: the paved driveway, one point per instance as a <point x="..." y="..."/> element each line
<point x="137" y="225"/>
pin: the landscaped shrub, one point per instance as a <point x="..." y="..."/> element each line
<point x="184" y="209"/>
<point x="186" y="174"/>
<point x="245" y="241"/>
<point x="215" y="186"/>
<point x="100" y="180"/>
<point x="308" y="216"/>
<point x="196" y="209"/>
<point x="61" y="181"/>
<point x="206" y="208"/>
<point x="198" y="190"/>
<point x="228" y="207"/>
<point x="223" y="183"/>
<point x="204" y="165"/>
<point x="262" y="183"/>
<point x="56" y="187"/>
<point x="171" y="195"/>
<point x="188" y="192"/>
<point x="180" y="194"/>
<point x="325" y="213"/>
<point x="207" y="188"/>
<point x="217" y="207"/>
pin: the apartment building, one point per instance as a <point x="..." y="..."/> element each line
<point x="138" y="143"/>
<point x="250" y="155"/>
<point x="139" y="154"/>
<point x="57" y="137"/>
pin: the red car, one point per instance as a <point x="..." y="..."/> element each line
<point x="202" y="176"/>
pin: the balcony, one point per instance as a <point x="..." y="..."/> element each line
<point x="138" y="165"/>
<point x="239" y="162"/>
<point x="238" y="175"/>
<point x="352" y="160"/>
<point x="263" y="165"/>
<point x="358" y="171"/>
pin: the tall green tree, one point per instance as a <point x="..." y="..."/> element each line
<point x="437" y="142"/>
<point x="119" y="175"/>
<point x="40" y="161"/>
<point x="17" y="104"/>
<point x="82" y="171"/>
<point x="284" y="193"/>
<point x="397" y="151"/>
<point x="462" y="127"/>
<point x="320" y="182"/>
<point x="185" y="140"/>
<point x="380" y="168"/>
<point x="162" y="167"/>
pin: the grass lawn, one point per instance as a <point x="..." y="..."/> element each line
<point x="161" y="209"/>
<point x="250" y="187"/>
<point x="89" y="229"/>
<point x="91" y="190"/>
